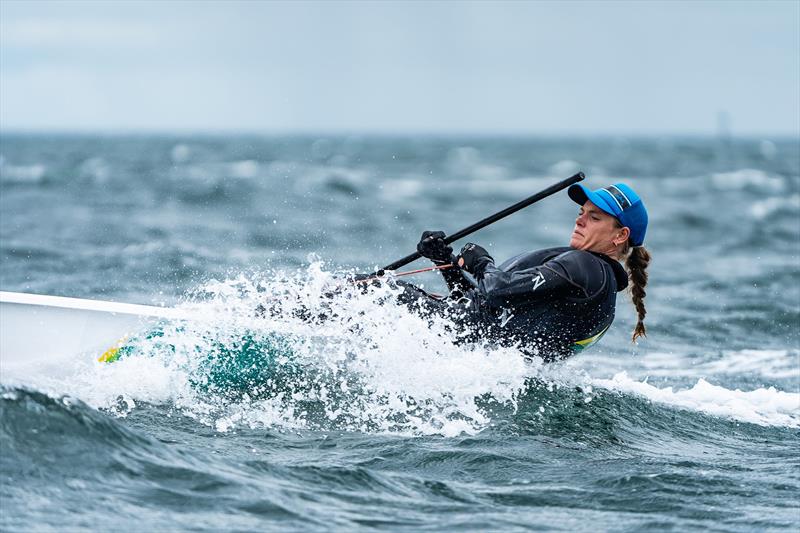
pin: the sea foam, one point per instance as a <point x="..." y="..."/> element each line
<point x="763" y="406"/>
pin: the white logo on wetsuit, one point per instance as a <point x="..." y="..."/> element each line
<point x="538" y="280"/>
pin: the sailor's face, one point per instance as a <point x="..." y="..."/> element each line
<point x="594" y="230"/>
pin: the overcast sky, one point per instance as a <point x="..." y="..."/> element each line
<point x="450" y="67"/>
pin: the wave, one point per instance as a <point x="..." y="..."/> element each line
<point x="61" y="455"/>
<point x="748" y="178"/>
<point x="33" y="417"/>
<point x="766" y="407"/>
<point x="776" y="204"/>
<point x="760" y="364"/>
<point x="353" y="361"/>
<point x="22" y="174"/>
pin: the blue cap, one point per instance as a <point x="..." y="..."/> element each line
<point x="619" y="201"/>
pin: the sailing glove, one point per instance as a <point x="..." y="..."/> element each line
<point x="474" y="259"/>
<point x="432" y="246"/>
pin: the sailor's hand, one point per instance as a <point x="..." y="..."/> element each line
<point x="474" y="259"/>
<point x="432" y="246"/>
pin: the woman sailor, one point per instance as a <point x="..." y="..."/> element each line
<point x="552" y="302"/>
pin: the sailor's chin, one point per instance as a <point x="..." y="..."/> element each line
<point x="575" y="241"/>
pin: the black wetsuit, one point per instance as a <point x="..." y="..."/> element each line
<point x="551" y="303"/>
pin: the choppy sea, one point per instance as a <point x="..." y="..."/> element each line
<point x="374" y="420"/>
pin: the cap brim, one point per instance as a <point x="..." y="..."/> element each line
<point x="579" y="194"/>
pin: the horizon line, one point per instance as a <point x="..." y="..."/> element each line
<point x="403" y="133"/>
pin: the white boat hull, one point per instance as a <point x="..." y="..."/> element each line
<point x="43" y="335"/>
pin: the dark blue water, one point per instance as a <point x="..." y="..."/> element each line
<point x="374" y="420"/>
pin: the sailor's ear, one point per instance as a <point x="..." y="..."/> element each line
<point x="622" y="235"/>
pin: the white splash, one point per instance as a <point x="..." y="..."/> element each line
<point x="369" y="365"/>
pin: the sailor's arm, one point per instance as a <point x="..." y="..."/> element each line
<point x="555" y="279"/>
<point x="541" y="283"/>
<point x="456" y="280"/>
<point x="432" y="246"/>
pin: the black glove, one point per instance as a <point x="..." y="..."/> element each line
<point x="474" y="259"/>
<point x="432" y="246"/>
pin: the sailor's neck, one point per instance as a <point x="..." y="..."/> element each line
<point x="611" y="253"/>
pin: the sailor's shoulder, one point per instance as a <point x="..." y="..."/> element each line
<point x="587" y="269"/>
<point x="532" y="258"/>
<point x="574" y="256"/>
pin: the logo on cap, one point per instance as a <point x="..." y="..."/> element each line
<point x="618" y="196"/>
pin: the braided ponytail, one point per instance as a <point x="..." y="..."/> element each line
<point x="636" y="264"/>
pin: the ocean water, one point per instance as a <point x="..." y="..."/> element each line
<point x="373" y="419"/>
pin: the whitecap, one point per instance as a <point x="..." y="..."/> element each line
<point x="467" y="161"/>
<point x="747" y="177"/>
<point x="771" y="364"/>
<point x="517" y="187"/>
<point x="402" y="188"/>
<point x="764" y="208"/>
<point x="763" y="406"/>
<point x="244" y="169"/>
<point x="566" y="167"/>
<point x="23" y="173"/>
